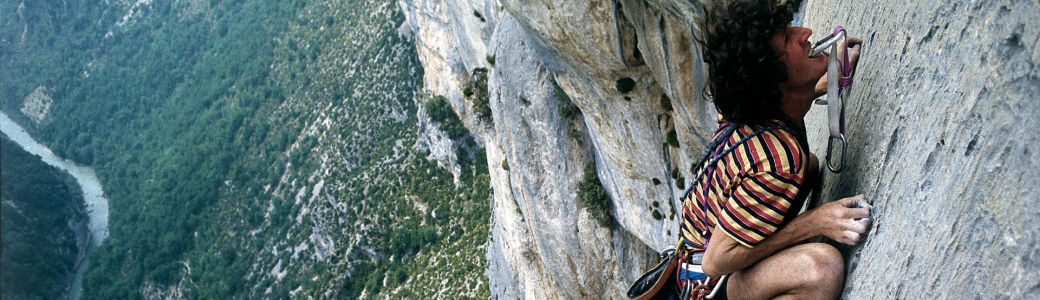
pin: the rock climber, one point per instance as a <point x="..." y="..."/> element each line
<point x="743" y="213"/>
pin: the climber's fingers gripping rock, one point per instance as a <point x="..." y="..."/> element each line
<point x="845" y="220"/>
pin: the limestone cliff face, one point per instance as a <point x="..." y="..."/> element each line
<point x="939" y="117"/>
<point x="942" y="134"/>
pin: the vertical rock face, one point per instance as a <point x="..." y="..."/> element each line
<point x="451" y="41"/>
<point x="545" y="245"/>
<point x="544" y="241"/>
<point x="941" y="129"/>
<point x="939" y="119"/>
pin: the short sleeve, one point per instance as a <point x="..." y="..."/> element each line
<point x="766" y="190"/>
<point x="758" y="206"/>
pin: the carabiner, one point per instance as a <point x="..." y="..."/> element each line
<point x="825" y="43"/>
<point x="841" y="162"/>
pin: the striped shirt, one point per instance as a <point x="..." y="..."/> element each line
<point x="749" y="190"/>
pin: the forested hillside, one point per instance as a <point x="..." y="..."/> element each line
<point x="251" y="149"/>
<point x="41" y="205"/>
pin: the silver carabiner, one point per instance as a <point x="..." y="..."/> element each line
<point x="824" y="43"/>
<point x="841" y="162"/>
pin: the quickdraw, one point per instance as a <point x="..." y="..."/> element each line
<point x="839" y="81"/>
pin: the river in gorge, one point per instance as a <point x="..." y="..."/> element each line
<point x="93" y="195"/>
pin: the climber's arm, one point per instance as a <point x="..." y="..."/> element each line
<point x="844" y="220"/>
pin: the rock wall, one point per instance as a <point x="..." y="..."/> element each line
<point x="941" y="129"/>
<point x="939" y="120"/>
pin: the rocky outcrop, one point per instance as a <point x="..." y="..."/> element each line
<point x="938" y="118"/>
<point x="37" y="104"/>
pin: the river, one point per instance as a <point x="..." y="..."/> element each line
<point x="93" y="195"/>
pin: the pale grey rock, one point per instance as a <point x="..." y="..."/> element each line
<point x="664" y="32"/>
<point x="451" y="41"/>
<point x="154" y="291"/>
<point x="589" y="56"/>
<point x="544" y="245"/>
<point x="941" y="124"/>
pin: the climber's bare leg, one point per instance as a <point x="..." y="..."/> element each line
<point x="807" y="271"/>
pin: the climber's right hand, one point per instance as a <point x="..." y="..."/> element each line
<point x="855" y="44"/>
<point x="845" y="220"/>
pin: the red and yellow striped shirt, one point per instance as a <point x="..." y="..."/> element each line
<point x="749" y="190"/>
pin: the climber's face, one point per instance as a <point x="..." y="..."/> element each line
<point x="793" y="45"/>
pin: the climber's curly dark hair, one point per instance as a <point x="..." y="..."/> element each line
<point x="744" y="72"/>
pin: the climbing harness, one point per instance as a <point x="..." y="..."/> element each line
<point x="694" y="284"/>
<point x="839" y="81"/>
